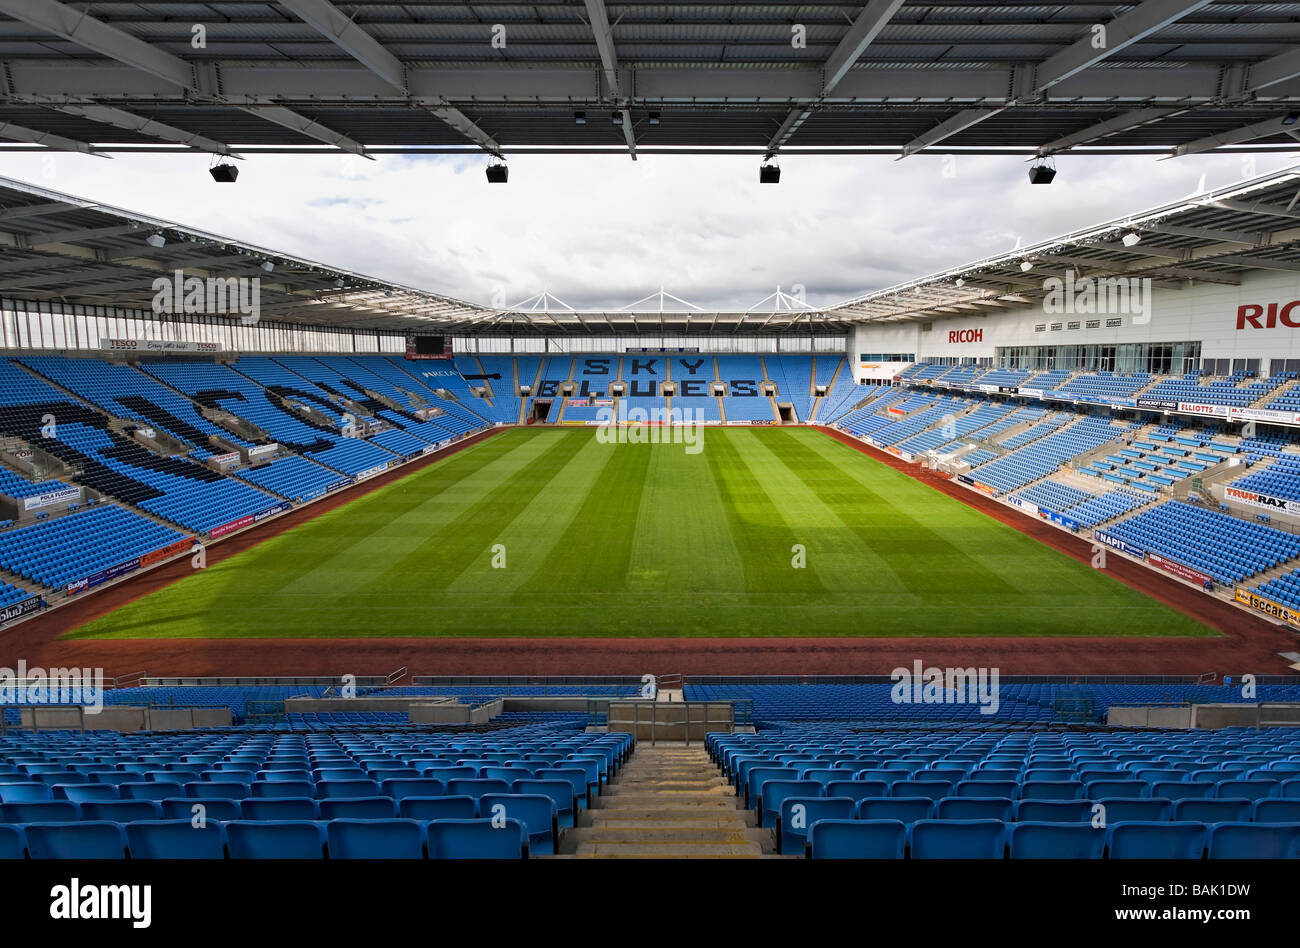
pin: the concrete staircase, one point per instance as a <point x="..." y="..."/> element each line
<point x="669" y="802"/>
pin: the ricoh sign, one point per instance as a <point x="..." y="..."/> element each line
<point x="1269" y="315"/>
<point x="965" y="335"/>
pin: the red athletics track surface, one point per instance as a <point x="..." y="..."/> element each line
<point x="1250" y="643"/>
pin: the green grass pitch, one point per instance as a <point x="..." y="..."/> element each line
<point x="648" y="540"/>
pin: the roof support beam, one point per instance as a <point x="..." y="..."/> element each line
<point x="327" y="20"/>
<point x="1247" y="133"/>
<point x="1120" y="33"/>
<point x="18" y="133"/>
<point x="83" y="29"/>
<point x="875" y="14"/>
<point x="599" y="22"/>
<point x="1120" y="123"/>
<point x="120" y="118"/>
<point x="1272" y="71"/>
<point x="954" y="124"/>
<point x="304" y="126"/>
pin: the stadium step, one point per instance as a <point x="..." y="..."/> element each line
<point x="669" y="802"/>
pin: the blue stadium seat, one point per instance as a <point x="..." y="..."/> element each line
<point x="476" y="839"/>
<point x="24" y="792"/>
<point x="1031" y="840"/>
<point x="535" y="811"/>
<point x="1276" y="811"/>
<point x="400" y="787"/>
<point x="1144" y="840"/>
<point x="280" y="809"/>
<point x="122" y="811"/>
<point x="40" y="811"/>
<point x="1053" y="811"/>
<point x="462" y="807"/>
<point x="81" y="792"/>
<point x="774" y="791"/>
<point x="13" y="844"/>
<point x="1120" y="810"/>
<point x="1212" y="811"/>
<point x="1241" y="840"/>
<point x="375" y="839"/>
<point x="857" y="839"/>
<point x="798" y="814"/>
<point x="902" y="809"/>
<point x="85" y="840"/>
<point x="220" y="810"/>
<point x="175" y="839"/>
<point x="297" y="839"/>
<point x="957" y="839"/>
<point x="561" y="791"/>
<point x="975" y="808"/>
<point x="358" y="808"/>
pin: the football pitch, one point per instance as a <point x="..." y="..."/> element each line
<point x="553" y="532"/>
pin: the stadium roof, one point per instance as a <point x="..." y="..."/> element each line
<point x="56" y="247"/>
<point x="1212" y="237"/>
<point x="367" y="76"/>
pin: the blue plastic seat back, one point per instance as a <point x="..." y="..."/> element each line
<point x="296" y="839"/>
<point x="279" y="808"/>
<point x="1033" y="840"/>
<point x="349" y="789"/>
<point x="358" y="808"/>
<point x="84" y="840"/>
<point x="462" y="807"/>
<point x="957" y="839"/>
<point x="1213" y="811"/>
<point x="857" y="839"/>
<point x="400" y="787"/>
<point x="902" y="809"/>
<point x="1182" y="789"/>
<point x="151" y="790"/>
<point x="450" y="773"/>
<point x="774" y="791"/>
<point x="1051" y="789"/>
<point x="1147" y="840"/>
<point x="81" y="792"/>
<point x="1008" y="789"/>
<point x="975" y="808"/>
<point x="561" y="791"/>
<point x="375" y="839"/>
<point x="40" y="811"/>
<point x="798" y="814"/>
<point x="122" y="811"/>
<point x="264" y="789"/>
<point x="1124" y="810"/>
<point x="183" y="808"/>
<point x="13" y="843"/>
<point x="535" y="810"/>
<point x="930" y="789"/>
<point x="1276" y="811"/>
<point x="24" y="792"/>
<point x="476" y="839"/>
<point x="856" y="789"/>
<point x="1053" y="811"/>
<point x="1249" y="789"/>
<point x="283" y="776"/>
<point x="1242" y="840"/>
<point x="477" y="787"/>
<point x="176" y="839"/>
<point x="205" y="789"/>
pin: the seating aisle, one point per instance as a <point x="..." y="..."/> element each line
<point x="669" y="803"/>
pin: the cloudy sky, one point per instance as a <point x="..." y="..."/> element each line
<point x="602" y="231"/>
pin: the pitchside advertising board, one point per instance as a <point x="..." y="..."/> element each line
<point x="19" y="609"/>
<point x="1115" y="543"/>
<point x="1268" y="607"/>
<point x="121" y="569"/>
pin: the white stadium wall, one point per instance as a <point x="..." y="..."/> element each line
<point x="1229" y="321"/>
